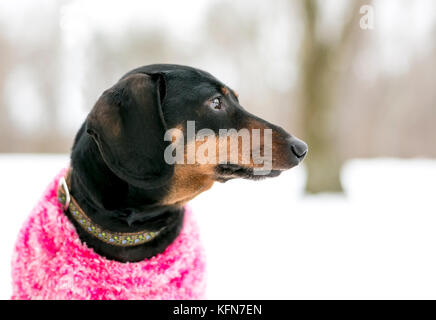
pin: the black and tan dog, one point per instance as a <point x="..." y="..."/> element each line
<point x="119" y="176"/>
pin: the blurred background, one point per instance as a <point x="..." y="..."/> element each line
<point x="354" y="79"/>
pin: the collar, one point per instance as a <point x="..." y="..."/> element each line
<point x="120" y="239"/>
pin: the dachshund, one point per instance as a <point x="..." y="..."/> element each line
<point x="119" y="175"/>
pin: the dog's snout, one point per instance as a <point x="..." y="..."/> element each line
<point x="298" y="147"/>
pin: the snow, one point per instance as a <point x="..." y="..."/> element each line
<point x="268" y="240"/>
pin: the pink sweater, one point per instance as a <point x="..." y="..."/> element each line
<point x="50" y="262"/>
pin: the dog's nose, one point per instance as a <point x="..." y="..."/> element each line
<point x="298" y="147"/>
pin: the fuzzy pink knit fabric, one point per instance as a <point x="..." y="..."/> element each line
<point x="50" y="262"/>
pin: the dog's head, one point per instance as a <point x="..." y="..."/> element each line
<point x="182" y="129"/>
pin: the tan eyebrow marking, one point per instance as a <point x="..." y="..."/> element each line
<point x="235" y="93"/>
<point x="225" y="91"/>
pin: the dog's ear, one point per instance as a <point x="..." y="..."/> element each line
<point x="128" y="126"/>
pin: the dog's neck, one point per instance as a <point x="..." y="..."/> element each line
<point x="117" y="206"/>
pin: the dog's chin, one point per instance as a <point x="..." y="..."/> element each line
<point x="226" y="172"/>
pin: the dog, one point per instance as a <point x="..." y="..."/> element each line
<point x="121" y="208"/>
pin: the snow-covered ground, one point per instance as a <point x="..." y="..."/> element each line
<point x="267" y="240"/>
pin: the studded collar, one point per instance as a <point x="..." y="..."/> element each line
<point x="120" y="239"/>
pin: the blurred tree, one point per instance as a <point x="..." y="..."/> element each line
<point x="353" y="106"/>
<point x="319" y="84"/>
<point x="5" y="61"/>
<point x="41" y="61"/>
<point x="109" y="57"/>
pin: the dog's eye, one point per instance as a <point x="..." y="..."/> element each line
<point x="216" y="103"/>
